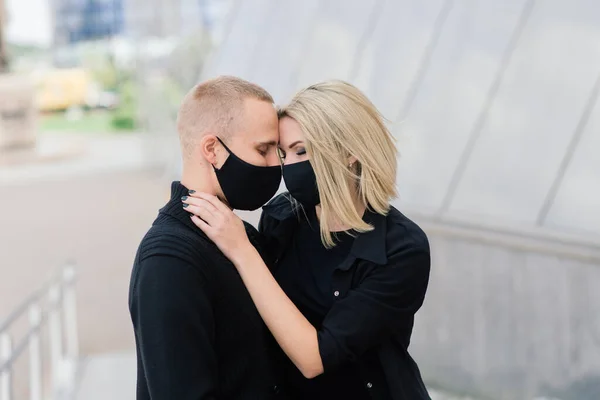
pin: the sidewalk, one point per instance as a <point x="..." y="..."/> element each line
<point x="108" y="376"/>
<point x="63" y="155"/>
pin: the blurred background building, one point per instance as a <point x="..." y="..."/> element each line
<point x="494" y="106"/>
<point x="84" y="20"/>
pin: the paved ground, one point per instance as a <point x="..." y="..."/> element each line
<point x="108" y="376"/>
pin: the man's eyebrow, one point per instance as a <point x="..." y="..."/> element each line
<point x="269" y="143"/>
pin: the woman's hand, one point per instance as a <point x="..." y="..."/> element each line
<point x="219" y="223"/>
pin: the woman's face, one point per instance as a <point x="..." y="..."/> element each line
<point x="292" y="148"/>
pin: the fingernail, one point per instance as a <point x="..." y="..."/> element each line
<point x="185" y="205"/>
<point x="184" y="198"/>
<point x="192" y="192"/>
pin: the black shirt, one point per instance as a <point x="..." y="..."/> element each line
<point x="198" y="335"/>
<point x="376" y="292"/>
<point x="305" y="273"/>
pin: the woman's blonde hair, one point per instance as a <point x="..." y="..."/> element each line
<point x="340" y="122"/>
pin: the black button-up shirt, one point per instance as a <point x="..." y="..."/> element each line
<point x="305" y="273"/>
<point x="377" y="290"/>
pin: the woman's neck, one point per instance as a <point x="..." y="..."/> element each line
<point x="335" y="224"/>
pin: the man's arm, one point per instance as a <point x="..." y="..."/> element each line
<point x="174" y="327"/>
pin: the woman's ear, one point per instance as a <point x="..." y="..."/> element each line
<point x="351" y="161"/>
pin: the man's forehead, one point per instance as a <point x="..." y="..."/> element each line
<point x="262" y="139"/>
<point x="269" y="142"/>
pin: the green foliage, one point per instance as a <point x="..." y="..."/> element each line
<point x="125" y="115"/>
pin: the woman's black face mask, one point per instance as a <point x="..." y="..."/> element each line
<point x="301" y="182"/>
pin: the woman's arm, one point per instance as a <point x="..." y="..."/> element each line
<point x="363" y="318"/>
<point x="295" y="335"/>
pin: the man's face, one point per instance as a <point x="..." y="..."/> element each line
<point x="258" y="135"/>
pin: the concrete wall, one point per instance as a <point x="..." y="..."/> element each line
<point x="510" y="317"/>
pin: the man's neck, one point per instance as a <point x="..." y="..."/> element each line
<point x="196" y="179"/>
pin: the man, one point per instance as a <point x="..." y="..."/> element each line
<point x="198" y="334"/>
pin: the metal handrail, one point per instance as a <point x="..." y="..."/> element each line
<point x="60" y="316"/>
<point x="19" y="310"/>
<point x="22" y="345"/>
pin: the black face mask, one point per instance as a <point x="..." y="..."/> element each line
<point x="247" y="186"/>
<point x="301" y="182"/>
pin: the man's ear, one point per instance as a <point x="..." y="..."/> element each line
<point x="209" y="149"/>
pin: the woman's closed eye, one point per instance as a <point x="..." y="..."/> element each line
<point x="298" y="151"/>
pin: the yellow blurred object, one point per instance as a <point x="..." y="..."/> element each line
<point x="60" y="89"/>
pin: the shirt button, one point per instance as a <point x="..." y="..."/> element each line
<point x="336" y="293"/>
<point x="369" y="385"/>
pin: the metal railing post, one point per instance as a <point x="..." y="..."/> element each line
<point x="70" y="320"/>
<point x="6" y="374"/>
<point x="59" y="314"/>
<point x="35" y="353"/>
<point x="55" y="336"/>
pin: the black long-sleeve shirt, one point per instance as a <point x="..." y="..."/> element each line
<point x="198" y="334"/>
<point x="368" y="317"/>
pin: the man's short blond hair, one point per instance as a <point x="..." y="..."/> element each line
<point x="215" y="106"/>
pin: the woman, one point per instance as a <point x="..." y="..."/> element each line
<point x="350" y="270"/>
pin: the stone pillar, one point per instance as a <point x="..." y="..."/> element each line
<point x="18" y="113"/>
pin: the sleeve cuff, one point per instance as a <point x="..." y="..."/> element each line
<point x="328" y="349"/>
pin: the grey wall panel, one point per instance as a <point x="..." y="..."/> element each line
<point x="280" y="52"/>
<point x="509" y="324"/>
<point x="236" y="54"/>
<point x="391" y="58"/>
<point x="451" y="96"/>
<point x="534" y="115"/>
<point x="332" y="45"/>
<point x="577" y="203"/>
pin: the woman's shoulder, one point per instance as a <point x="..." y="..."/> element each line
<point x="405" y="234"/>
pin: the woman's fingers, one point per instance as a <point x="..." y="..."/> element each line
<point x="203" y="209"/>
<point x="199" y="202"/>
<point x="201" y="224"/>
<point x="213" y="200"/>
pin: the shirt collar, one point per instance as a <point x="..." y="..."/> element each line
<point x="370" y="246"/>
<point x="280" y="207"/>
<point x="174" y="207"/>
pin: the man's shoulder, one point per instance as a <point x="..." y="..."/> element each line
<point x="170" y="238"/>
<point x="169" y="252"/>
